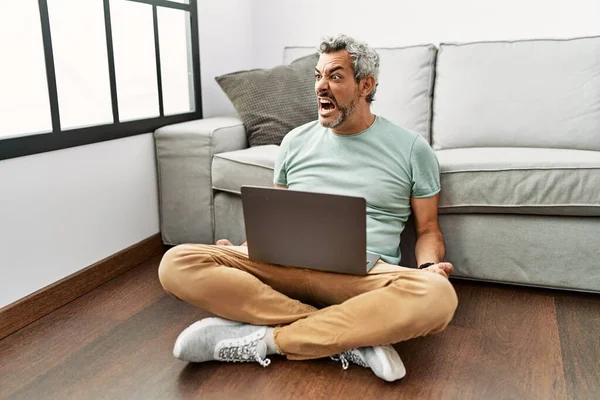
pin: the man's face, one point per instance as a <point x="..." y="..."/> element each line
<point x="336" y="88"/>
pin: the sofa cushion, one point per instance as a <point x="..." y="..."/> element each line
<point x="405" y="84"/>
<point x="520" y="181"/>
<point x="474" y="180"/>
<point x="530" y="93"/>
<point x="272" y="102"/>
<point x="252" y="166"/>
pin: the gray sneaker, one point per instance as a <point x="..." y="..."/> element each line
<point x="383" y="360"/>
<point x="222" y="340"/>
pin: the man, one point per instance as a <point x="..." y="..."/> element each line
<point x="268" y="309"/>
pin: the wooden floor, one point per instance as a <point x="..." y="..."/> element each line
<point x="116" y="342"/>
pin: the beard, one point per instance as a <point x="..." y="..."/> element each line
<point x="344" y="114"/>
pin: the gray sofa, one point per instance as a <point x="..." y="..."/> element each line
<point x="515" y="127"/>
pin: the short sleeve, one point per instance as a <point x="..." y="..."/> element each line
<point x="425" y="169"/>
<point x="280" y="170"/>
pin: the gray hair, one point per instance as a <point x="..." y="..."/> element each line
<point x="365" y="59"/>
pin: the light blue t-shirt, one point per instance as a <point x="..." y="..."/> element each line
<point x="385" y="164"/>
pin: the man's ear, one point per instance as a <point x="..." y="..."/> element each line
<point x="366" y="85"/>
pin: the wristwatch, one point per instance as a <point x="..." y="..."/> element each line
<point x="425" y="265"/>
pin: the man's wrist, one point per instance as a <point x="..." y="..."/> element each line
<point x="425" y="265"/>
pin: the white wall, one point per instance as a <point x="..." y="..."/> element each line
<point x="225" y="46"/>
<point x="62" y="211"/>
<point x="381" y="23"/>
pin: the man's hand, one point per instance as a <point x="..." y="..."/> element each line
<point x="443" y="268"/>
<point x="225" y="242"/>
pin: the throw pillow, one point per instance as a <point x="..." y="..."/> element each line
<point x="272" y="102"/>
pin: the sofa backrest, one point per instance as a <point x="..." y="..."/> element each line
<point x="529" y="93"/>
<point x="405" y="84"/>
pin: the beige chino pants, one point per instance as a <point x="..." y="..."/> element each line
<point x="315" y="314"/>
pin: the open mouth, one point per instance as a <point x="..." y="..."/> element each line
<point x="326" y="105"/>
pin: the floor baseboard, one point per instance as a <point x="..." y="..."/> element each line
<point x="33" y="307"/>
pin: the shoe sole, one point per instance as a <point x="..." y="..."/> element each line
<point x="196" y="326"/>
<point x="392" y="366"/>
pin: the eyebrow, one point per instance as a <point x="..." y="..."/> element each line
<point x="332" y="69"/>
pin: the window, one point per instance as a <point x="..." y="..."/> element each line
<point x="78" y="72"/>
<point x="24" y="103"/>
<point x="80" y="62"/>
<point x="135" y="55"/>
<point x="175" y="60"/>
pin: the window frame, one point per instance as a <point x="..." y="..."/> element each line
<point x="58" y="139"/>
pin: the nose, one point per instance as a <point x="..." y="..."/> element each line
<point x="321" y="86"/>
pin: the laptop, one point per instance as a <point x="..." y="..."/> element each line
<point x="307" y="230"/>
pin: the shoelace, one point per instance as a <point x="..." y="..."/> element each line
<point x="349" y="356"/>
<point x="243" y="351"/>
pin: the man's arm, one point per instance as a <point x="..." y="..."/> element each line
<point x="430" y="245"/>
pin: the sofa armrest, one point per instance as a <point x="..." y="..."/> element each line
<point x="184" y="154"/>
